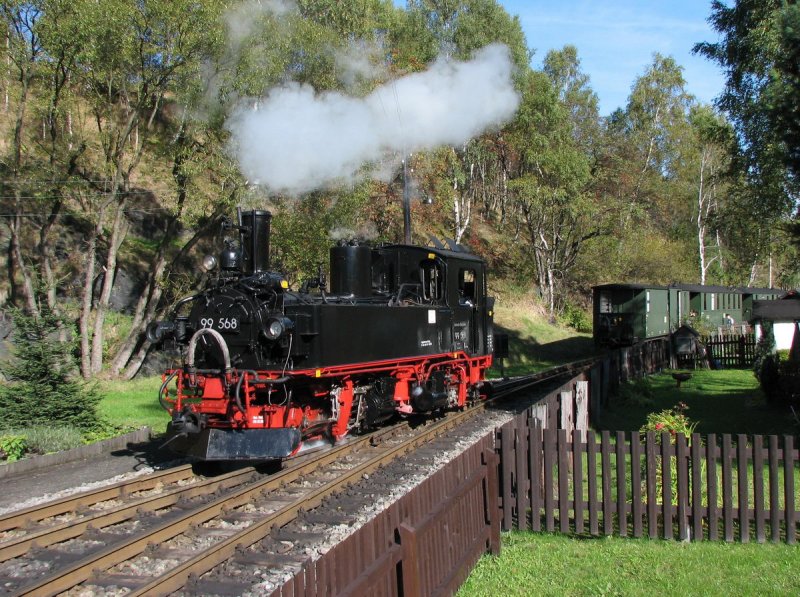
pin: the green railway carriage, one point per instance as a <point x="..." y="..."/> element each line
<point x="627" y="313"/>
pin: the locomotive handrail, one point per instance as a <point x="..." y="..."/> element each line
<point x="220" y="340"/>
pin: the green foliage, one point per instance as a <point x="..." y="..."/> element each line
<point x="43" y="439"/>
<point x="42" y="388"/>
<point x="758" y="49"/>
<point x="118" y="108"/>
<point x="577" y="318"/>
<point x="104" y="430"/>
<point x="675" y="422"/>
<point x="672" y="420"/>
<point x="12" y="447"/>
<point x="765" y="362"/>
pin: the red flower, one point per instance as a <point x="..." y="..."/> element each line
<point x="659" y="426"/>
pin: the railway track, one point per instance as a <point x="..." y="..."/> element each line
<point x="158" y="534"/>
<point x="95" y="539"/>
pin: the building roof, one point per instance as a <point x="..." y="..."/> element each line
<point x="786" y="309"/>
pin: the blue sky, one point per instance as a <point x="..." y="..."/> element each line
<point x="616" y="40"/>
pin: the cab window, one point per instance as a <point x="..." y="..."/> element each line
<point x="467" y="289"/>
<point x="432" y="281"/>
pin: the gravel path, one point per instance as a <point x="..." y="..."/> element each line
<point x="26" y="489"/>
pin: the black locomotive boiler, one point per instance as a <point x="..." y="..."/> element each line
<point x="267" y="371"/>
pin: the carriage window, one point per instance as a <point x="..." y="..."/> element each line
<point x="605" y="302"/>
<point x="431" y="281"/>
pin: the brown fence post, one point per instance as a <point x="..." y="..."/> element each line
<point x="549" y="446"/>
<point x="788" y="488"/>
<point x="727" y="487"/>
<point x="410" y="561"/>
<point x="711" y="476"/>
<point x="591" y="468"/>
<point x="578" y="437"/>
<point x="742" y="353"/>
<point x="758" y="486"/>
<point x="582" y="408"/>
<point x="567" y="418"/>
<point x="683" y="487"/>
<point x="506" y="459"/>
<point x="652" y="497"/>
<point x="744" y="505"/>
<point x="636" y="484"/>
<point x="491" y="461"/>
<point x="521" y="449"/>
<point x="605" y="466"/>
<point x="774" y="503"/>
<point x="697" y="487"/>
<point x="563" y="481"/>
<point x="622" y="496"/>
<point x="535" y="455"/>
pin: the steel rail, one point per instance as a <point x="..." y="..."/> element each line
<point x="65" y="505"/>
<point x="117" y="553"/>
<point x="502" y="388"/>
<point x="45" y="537"/>
<point x="176" y="578"/>
<point x="62" y="580"/>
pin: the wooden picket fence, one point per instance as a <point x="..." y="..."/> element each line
<point x="730" y="351"/>
<point x="708" y="488"/>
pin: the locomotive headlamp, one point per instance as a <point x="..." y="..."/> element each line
<point x="209" y="263"/>
<point x="277" y="327"/>
<point x="158" y="330"/>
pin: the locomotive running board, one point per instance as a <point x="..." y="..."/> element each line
<point x="242" y="444"/>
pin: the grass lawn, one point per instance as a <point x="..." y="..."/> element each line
<point x="133" y="403"/>
<point x="727" y="401"/>
<point x="542" y="564"/>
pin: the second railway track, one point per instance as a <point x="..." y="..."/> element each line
<point x="158" y="534"/>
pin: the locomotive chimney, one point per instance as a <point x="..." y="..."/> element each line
<point x="254" y="230"/>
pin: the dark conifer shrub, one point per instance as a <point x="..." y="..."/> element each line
<point x="42" y="384"/>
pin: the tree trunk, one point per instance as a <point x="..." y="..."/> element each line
<point x="86" y="299"/>
<point x="18" y="264"/>
<point x="118" y="232"/>
<point x="132" y="364"/>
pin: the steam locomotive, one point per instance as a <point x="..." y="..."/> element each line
<point x="268" y="372"/>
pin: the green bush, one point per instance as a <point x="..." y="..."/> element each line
<point x="577" y="318"/>
<point x="43" y="388"/>
<point x="675" y="422"/>
<point x="46" y="440"/>
<point x="672" y="420"/>
<point x="12" y="447"/>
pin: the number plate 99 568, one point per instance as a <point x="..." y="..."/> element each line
<point x="222" y="324"/>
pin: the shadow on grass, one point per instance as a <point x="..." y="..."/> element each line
<point x="526" y="355"/>
<point x="728" y="401"/>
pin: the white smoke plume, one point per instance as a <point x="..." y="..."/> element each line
<point x="297" y="140"/>
<point x="242" y="19"/>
